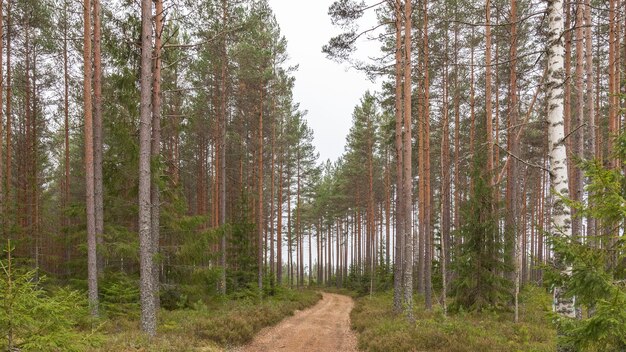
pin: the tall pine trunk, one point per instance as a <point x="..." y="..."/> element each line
<point x="272" y="193"/>
<point x="146" y="260"/>
<point x="445" y="190"/>
<point x="222" y="144"/>
<point x="488" y="118"/>
<point x="155" y="148"/>
<point x="591" y="125"/>
<point x="279" y="225"/>
<point x="260" y="195"/>
<point x="8" y="215"/>
<point x="92" y="266"/>
<point x="428" y="247"/>
<point x="397" y="279"/>
<point x="512" y="188"/>
<point x="66" y="128"/>
<point x="97" y="130"/>
<point x="578" y="121"/>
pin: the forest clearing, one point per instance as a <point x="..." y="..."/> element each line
<point x="329" y="175"/>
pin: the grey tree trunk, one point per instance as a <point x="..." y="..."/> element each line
<point x="260" y="204"/>
<point x="155" y="195"/>
<point x="92" y="265"/>
<point x="9" y="153"/>
<point x="146" y="263"/>
<point x="445" y="184"/>
<point x="428" y="239"/>
<point x="97" y="130"/>
<point x="397" y="277"/>
<point x="222" y="157"/>
<point x="578" y="144"/>
<point x="407" y="178"/>
<point x="591" y="126"/>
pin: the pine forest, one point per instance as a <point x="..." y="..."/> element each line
<point x="162" y="189"/>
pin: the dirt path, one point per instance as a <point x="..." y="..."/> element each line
<point x="324" y="327"/>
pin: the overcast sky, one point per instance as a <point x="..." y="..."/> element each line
<point x="323" y="87"/>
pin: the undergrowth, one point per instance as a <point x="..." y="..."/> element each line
<point x="379" y="329"/>
<point x="341" y="291"/>
<point x="207" y="326"/>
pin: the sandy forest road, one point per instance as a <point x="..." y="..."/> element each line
<point x="324" y="327"/>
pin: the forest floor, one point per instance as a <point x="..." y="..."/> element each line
<point x="379" y="329"/>
<point x="321" y="328"/>
<point x="214" y="325"/>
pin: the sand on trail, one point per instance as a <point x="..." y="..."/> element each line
<point x="324" y="327"/>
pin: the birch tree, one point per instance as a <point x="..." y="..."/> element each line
<point x="561" y="219"/>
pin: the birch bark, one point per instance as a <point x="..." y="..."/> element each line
<point x="556" y="147"/>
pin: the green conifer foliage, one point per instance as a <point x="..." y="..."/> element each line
<point x="598" y="263"/>
<point x="33" y="319"/>
<point x="479" y="263"/>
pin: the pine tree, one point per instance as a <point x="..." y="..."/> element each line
<point x="479" y="263"/>
<point x="92" y="265"/>
<point x="148" y="288"/>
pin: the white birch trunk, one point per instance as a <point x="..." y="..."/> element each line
<point x="558" y="160"/>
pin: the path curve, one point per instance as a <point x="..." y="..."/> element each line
<point x="324" y="327"/>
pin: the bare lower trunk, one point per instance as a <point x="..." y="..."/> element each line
<point x="155" y="148"/>
<point x="146" y="260"/>
<point x="222" y="157"/>
<point x="445" y="187"/>
<point x="428" y="247"/>
<point x="397" y="278"/>
<point x="577" y="122"/>
<point x="97" y="130"/>
<point x="9" y="147"/>
<point x="260" y="195"/>
<point x="511" y="197"/>
<point x="92" y="268"/>
<point x="407" y="178"/>
<point x="279" y="240"/>
<point x="272" y="191"/>
<point x="66" y="129"/>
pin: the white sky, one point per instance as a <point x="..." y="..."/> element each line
<point x="323" y="87"/>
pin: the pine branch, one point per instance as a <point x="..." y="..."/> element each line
<point x="522" y="160"/>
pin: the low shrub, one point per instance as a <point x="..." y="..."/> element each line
<point x="210" y="324"/>
<point x="379" y="329"/>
